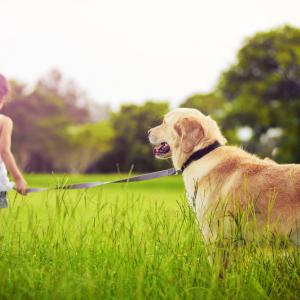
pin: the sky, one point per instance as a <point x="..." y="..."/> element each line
<point x="133" y="50"/>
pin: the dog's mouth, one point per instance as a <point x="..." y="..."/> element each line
<point x="162" y="150"/>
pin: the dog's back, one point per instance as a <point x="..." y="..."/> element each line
<point x="273" y="190"/>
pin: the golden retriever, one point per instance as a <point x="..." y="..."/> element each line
<point x="227" y="180"/>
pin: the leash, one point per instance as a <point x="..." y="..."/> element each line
<point x="148" y="176"/>
<point x="78" y="186"/>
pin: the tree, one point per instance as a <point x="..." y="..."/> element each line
<point x="263" y="92"/>
<point x="74" y="99"/>
<point x="52" y="128"/>
<point x="210" y="104"/>
<point x="87" y="143"/>
<point x="130" y="147"/>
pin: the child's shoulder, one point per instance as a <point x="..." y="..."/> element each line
<point x="5" y="121"/>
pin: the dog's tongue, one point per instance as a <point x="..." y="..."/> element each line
<point x="161" y="149"/>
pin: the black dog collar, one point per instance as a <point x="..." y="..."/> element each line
<point x="199" y="154"/>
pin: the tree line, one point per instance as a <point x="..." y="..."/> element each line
<point x="256" y="102"/>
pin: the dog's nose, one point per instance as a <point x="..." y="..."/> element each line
<point x="149" y="131"/>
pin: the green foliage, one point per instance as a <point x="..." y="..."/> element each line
<point x="97" y="134"/>
<point x="39" y="120"/>
<point x="52" y="130"/>
<point x="210" y="104"/>
<point x="87" y="141"/>
<point x="130" y="147"/>
<point x="263" y="90"/>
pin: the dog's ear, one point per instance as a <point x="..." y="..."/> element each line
<point x="190" y="133"/>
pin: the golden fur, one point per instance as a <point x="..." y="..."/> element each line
<point x="229" y="175"/>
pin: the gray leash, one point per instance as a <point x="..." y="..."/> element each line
<point x="78" y="186"/>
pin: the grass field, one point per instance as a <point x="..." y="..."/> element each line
<point x="129" y="241"/>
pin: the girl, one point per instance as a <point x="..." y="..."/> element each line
<point x="6" y="157"/>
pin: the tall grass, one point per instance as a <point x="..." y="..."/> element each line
<point x="122" y="243"/>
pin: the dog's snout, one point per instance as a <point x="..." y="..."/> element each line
<point x="149" y="131"/>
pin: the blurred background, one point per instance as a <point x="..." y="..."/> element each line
<point x="89" y="78"/>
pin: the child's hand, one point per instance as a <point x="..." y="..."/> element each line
<point x="21" y="186"/>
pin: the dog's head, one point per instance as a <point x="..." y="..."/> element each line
<point x="182" y="132"/>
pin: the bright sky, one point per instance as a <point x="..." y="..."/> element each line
<point x="133" y="50"/>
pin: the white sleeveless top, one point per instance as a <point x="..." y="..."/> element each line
<point x="5" y="183"/>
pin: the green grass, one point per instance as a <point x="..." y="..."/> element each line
<point x="129" y="241"/>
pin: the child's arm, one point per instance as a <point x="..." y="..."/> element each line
<point x="6" y="126"/>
